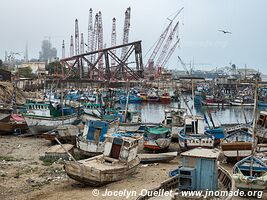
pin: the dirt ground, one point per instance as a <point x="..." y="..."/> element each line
<point x="24" y="176"/>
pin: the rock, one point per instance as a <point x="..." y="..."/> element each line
<point x="30" y="181"/>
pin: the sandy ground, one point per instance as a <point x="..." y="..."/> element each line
<point x="24" y="176"/>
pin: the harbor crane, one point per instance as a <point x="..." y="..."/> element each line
<point x="184" y="66"/>
<point x="160" y="41"/>
<point x="166" y="46"/>
<point x="126" y="30"/>
<point x="170" y="53"/>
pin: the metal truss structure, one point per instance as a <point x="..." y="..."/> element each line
<point x="129" y="67"/>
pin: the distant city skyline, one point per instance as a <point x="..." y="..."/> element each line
<point x="29" y="22"/>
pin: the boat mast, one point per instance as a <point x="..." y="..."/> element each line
<point x="126" y="106"/>
<point x="193" y="98"/>
<point x="254" y="125"/>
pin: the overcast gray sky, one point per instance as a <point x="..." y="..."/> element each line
<point x="32" y="21"/>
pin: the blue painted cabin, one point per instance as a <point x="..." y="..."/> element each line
<point x="199" y="170"/>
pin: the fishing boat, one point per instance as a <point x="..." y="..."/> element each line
<point x="5" y="111"/>
<point x="165" y="98"/>
<point x="193" y="134"/>
<point x="213" y="101"/>
<point x="157" y="138"/>
<point x="118" y="162"/>
<point x="143" y="96"/>
<point x="243" y="99"/>
<point x="132" y="99"/>
<point x="91" y="141"/>
<point x="130" y="120"/>
<point x="157" y="158"/>
<point x="237" y="145"/>
<point x="13" y="123"/>
<point x="64" y="133"/>
<point x="43" y="117"/>
<point x="153" y="96"/>
<point x="261" y="129"/>
<point x="250" y="174"/>
<point x="174" y="118"/>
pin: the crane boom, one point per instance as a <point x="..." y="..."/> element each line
<point x="184" y="65"/>
<point x="126" y="30"/>
<point x="170" y="53"/>
<point x="166" y="46"/>
<point x="161" y="40"/>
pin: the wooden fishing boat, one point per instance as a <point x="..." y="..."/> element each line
<point x="157" y="138"/>
<point x="157" y="158"/>
<point x="143" y="96"/>
<point x="174" y="118"/>
<point x="237" y="145"/>
<point x="118" y="162"/>
<point x="44" y="117"/>
<point x="13" y="123"/>
<point x="153" y="96"/>
<point x="250" y="174"/>
<point x="260" y="129"/>
<point x="193" y="134"/>
<point x="212" y="101"/>
<point x="243" y="100"/>
<point x="91" y="142"/>
<point x="132" y="99"/>
<point x="165" y="98"/>
<point x="64" y="133"/>
<point x="5" y="111"/>
<point x="129" y="120"/>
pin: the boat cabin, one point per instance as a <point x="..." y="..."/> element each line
<point x="194" y="125"/>
<point x="94" y="135"/>
<point x="123" y="149"/>
<point x="262" y="120"/>
<point x="131" y="116"/>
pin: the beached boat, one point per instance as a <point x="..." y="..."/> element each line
<point x="13" y="123"/>
<point x="64" y="133"/>
<point x="250" y="174"/>
<point x="237" y="145"/>
<point x="157" y="138"/>
<point x="174" y="118"/>
<point x="118" y="162"/>
<point x="193" y="134"/>
<point x="91" y="142"/>
<point x="5" y="111"/>
<point x="157" y="158"/>
<point x="44" y="117"/>
<point x="129" y="120"/>
<point x="260" y="129"/>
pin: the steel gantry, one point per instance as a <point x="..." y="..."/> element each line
<point x="130" y="67"/>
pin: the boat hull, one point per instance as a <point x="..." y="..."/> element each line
<point x="98" y="174"/>
<point x="191" y="142"/>
<point x="8" y="128"/>
<point x="165" y="99"/>
<point x="241" y="104"/>
<point x="236" y="150"/>
<point x="40" y="124"/>
<point x="159" y="144"/>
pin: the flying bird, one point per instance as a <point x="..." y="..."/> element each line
<point x="225" y="32"/>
